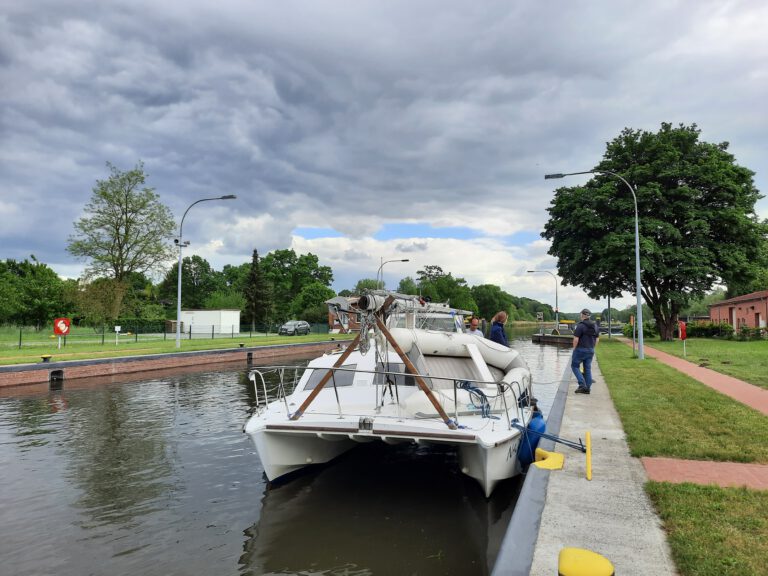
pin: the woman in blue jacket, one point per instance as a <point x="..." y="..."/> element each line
<point x="497" y="328"/>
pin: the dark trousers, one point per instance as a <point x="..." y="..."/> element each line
<point x="583" y="356"/>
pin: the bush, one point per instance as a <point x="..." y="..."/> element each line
<point x="138" y="325"/>
<point x="649" y="330"/>
<point x="705" y="329"/>
<point x="747" y="333"/>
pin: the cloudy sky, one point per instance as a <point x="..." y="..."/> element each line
<point x="359" y="130"/>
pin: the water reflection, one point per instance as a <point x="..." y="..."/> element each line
<point x="156" y="477"/>
<point x="380" y="510"/>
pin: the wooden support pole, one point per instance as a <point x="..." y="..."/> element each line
<point x="412" y="369"/>
<point x="344" y="355"/>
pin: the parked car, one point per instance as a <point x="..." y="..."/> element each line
<point x="294" y="328"/>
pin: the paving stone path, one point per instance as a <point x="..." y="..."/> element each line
<point x="754" y="476"/>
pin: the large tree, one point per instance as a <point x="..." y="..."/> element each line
<point x="31" y="293"/>
<point x="125" y="228"/>
<point x="365" y="284"/>
<point x="288" y="274"/>
<point x="491" y="299"/>
<point x="258" y="294"/>
<point x="198" y="282"/>
<point x="310" y="303"/>
<point x="408" y="286"/>
<point x="441" y="287"/>
<point x="696" y="217"/>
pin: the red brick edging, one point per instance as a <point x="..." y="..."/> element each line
<point x="726" y="474"/>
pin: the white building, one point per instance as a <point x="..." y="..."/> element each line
<point x="211" y="321"/>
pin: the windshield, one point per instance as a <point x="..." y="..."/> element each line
<point x="439" y="322"/>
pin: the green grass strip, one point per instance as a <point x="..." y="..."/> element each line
<point x="714" y="531"/>
<point x="666" y="413"/>
<point x="746" y="361"/>
<point x="127" y="347"/>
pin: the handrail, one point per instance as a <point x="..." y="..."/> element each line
<point x="516" y="388"/>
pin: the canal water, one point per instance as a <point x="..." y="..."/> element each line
<point x="155" y="477"/>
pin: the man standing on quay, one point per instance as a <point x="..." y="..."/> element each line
<point x="585" y="338"/>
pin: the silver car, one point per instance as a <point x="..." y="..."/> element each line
<point x="294" y="328"/>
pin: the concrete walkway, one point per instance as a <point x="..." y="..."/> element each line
<point x="611" y="514"/>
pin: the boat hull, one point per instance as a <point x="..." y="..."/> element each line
<point x="287" y="447"/>
<point x="283" y="452"/>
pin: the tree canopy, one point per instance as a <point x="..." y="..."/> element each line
<point x="696" y="219"/>
<point x="310" y="305"/>
<point x="288" y="273"/>
<point x="198" y="281"/>
<point x="125" y="228"/>
<point x="31" y="292"/>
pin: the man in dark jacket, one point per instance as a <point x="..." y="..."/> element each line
<point x="585" y="338"/>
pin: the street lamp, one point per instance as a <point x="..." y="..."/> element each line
<point x="181" y="244"/>
<point x="557" y="308"/>
<point x="381" y="272"/>
<point x="640" y="348"/>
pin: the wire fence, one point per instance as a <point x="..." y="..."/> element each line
<point x="28" y="337"/>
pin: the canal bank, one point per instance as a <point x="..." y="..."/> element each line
<point x="47" y="372"/>
<point x="610" y="515"/>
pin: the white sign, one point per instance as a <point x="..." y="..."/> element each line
<point x="117" y="328"/>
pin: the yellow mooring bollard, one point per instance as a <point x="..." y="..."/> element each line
<point x="549" y="460"/>
<point x="581" y="562"/>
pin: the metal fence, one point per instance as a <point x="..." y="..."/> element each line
<point x="25" y="336"/>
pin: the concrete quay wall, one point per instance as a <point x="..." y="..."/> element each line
<point x="40" y="373"/>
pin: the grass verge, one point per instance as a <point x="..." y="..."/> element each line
<point x="746" y="361"/>
<point x="666" y="413"/>
<point x="714" y="531"/>
<point x="87" y="351"/>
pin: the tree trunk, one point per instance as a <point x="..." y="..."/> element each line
<point x="666" y="320"/>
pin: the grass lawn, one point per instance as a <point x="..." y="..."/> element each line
<point x="84" y="350"/>
<point x="746" y="361"/>
<point x="714" y="531"/>
<point x="711" y="531"/>
<point x="666" y="413"/>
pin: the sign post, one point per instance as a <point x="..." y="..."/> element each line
<point x="117" y="333"/>
<point x="61" y="327"/>
<point x="683" y="334"/>
<point x="632" y="322"/>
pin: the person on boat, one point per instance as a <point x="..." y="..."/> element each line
<point x="474" y="328"/>
<point x="585" y="338"/>
<point x="497" y="328"/>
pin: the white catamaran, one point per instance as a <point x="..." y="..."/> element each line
<point x="399" y="380"/>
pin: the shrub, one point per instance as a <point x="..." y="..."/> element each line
<point x="649" y="330"/>
<point x="703" y="329"/>
<point x="747" y="333"/>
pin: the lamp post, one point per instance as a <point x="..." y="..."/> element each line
<point x="640" y="347"/>
<point x="181" y="244"/>
<point x="380" y="272"/>
<point x="557" y="308"/>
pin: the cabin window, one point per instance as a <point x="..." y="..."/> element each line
<point x="399" y="379"/>
<point x="343" y="377"/>
<point x="439" y="323"/>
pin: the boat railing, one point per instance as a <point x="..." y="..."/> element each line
<point x="521" y="392"/>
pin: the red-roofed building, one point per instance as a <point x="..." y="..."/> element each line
<point x="749" y="310"/>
